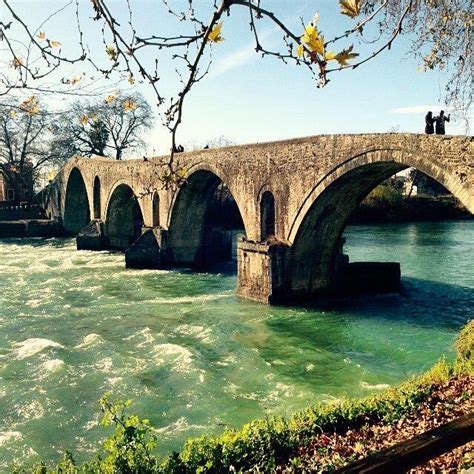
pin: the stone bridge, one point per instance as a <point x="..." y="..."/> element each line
<point x="293" y="199"/>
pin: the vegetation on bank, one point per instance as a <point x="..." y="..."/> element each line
<point x="388" y="203"/>
<point x="266" y="444"/>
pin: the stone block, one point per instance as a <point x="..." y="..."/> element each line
<point x="91" y="237"/>
<point x="148" y="251"/>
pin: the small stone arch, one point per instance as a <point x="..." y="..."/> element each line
<point x="155" y="210"/>
<point x="97" y="198"/>
<point x="124" y="218"/>
<point x="267" y="215"/>
<point x="76" y="203"/>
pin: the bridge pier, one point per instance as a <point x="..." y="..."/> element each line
<point x="91" y="237"/>
<point x="149" y="251"/>
<point x="261" y="270"/>
<point x="264" y="269"/>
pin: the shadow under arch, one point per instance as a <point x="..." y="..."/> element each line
<point x="124" y="219"/>
<point x="76" y="204"/>
<point x="201" y="222"/>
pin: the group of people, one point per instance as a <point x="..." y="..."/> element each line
<point x="433" y="124"/>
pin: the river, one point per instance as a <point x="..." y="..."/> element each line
<point x="195" y="358"/>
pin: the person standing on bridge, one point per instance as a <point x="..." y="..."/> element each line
<point x="429" y="123"/>
<point x="440" y="120"/>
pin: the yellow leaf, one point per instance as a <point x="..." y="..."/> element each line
<point x="17" y="63"/>
<point x="359" y="448"/>
<point x="131" y="80"/>
<point x="30" y="105"/>
<point x="313" y="40"/>
<point x="74" y="80"/>
<point x="84" y="119"/>
<point x="215" y="34"/>
<point x="129" y="105"/>
<point x="329" y="55"/>
<point x="112" y="53"/>
<point x="12" y="113"/>
<point x="110" y="99"/>
<point x="350" y="7"/>
<point x="300" y="50"/>
<point x="54" y="44"/>
<point x="41" y="35"/>
<point x="345" y="55"/>
<point x="310" y="33"/>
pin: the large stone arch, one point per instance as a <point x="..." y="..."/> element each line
<point x="317" y="229"/>
<point x="76" y="203"/>
<point x="123" y="217"/>
<point x="432" y="166"/>
<point x="192" y="241"/>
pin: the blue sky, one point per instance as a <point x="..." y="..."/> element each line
<point x="246" y="98"/>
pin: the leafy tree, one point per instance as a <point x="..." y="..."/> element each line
<point x="110" y="127"/>
<point x="426" y="184"/>
<point x="440" y="32"/>
<point x="25" y="139"/>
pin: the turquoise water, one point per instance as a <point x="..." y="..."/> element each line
<point x="194" y="357"/>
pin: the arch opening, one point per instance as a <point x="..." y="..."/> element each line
<point x="76" y="204"/>
<point x="205" y="223"/>
<point x="97" y="203"/>
<point x="155" y="210"/>
<point x="267" y="216"/>
<point x="124" y="219"/>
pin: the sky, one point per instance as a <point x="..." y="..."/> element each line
<point x="246" y="98"/>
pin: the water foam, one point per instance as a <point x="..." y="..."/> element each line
<point x="30" y="411"/>
<point x="89" y="341"/>
<point x="32" y="346"/>
<point x="53" y="365"/>
<point x="180" y="357"/>
<point x="6" y="436"/>
<point x="377" y="386"/>
<point x="188" y="299"/>
<point x="199" y="332"/>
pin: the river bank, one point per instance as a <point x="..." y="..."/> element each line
<point x="414" y="209"/>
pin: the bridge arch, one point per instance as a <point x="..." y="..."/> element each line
<point x="123" y="217"/>
<point x="76" y="203"/>
<point x="320" y="222"/>
<point x="196" y="237"/>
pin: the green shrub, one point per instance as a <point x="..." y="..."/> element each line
<point x="465" y="343"/>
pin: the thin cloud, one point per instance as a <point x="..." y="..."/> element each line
<point x="233" y="61"/>
<point x="238" y="58"/>
<point x="418" y="109"/>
